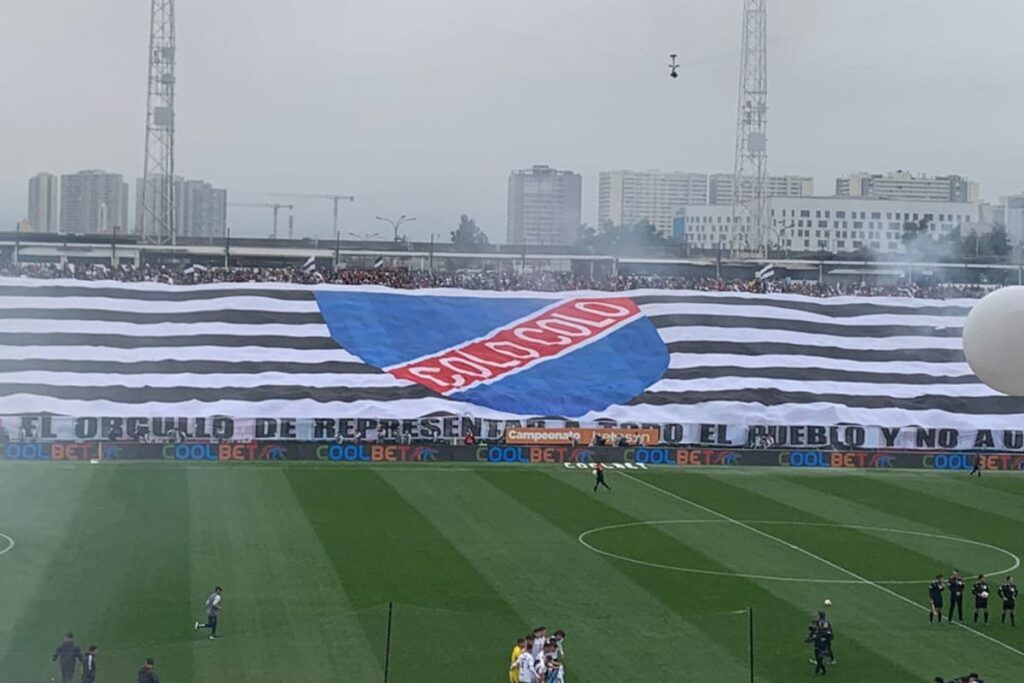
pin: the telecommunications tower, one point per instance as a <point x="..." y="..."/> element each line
<point x="158" y="211"/>
<point x="750" y="180"/>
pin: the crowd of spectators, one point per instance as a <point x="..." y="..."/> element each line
<point x="546" y="281"/>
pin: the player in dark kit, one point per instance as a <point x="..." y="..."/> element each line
<point x="821" y="625"/>
<point x="1008" y="592"/>
<point x="980" y="593"/>
<point x="599" y="473"/>
<point x="89" y="665"/>
<point x="977" y="466"/>
<point x="69" y="655"/>
<point x="956" y="596"/>
<point x="935" y="599"/>
<point x="820" y="640"/>
<point x="147" y="674"/>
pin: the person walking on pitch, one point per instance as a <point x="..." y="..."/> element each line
<point x="823" y="625"/>
<point x="69" y="654"/>
<point x="213" y="608"/>
<point x="147" y="674"/>
<point x="956" y="596"/>
<point x="89" y="665"/>
<point x="977" y="466"/>
<point x="819" y="638"/>
<point x="599" y="473"/>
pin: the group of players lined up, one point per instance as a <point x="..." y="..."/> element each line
<point x="980" y="590"/>
<point x="537" y="658"/>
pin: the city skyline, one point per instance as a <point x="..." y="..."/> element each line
<point x="625" y="197"/>
<point x="391" y="122"/>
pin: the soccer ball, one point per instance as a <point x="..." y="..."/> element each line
<point x="828" y="603"/>
<point x="984" y="595"/>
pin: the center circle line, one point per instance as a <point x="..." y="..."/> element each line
<point x="710" y="572"/>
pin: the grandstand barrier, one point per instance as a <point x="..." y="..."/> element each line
<point x="566" y="456"/>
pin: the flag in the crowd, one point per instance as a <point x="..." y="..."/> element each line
<point x="265" y="349"/>
<point x="310" y="265"/>
<point x="195" y="268"/>
<point x="766" y="273"/>
<point x="378" y="263"/>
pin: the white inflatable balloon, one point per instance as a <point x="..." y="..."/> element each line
<point x="994" y="340"/>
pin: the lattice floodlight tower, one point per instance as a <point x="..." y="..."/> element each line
<point x="750" y="180"/>
<point x="158" y="212"/>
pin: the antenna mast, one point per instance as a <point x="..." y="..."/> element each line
<point x="159" y="211"/>
<point x="750" y="180"/>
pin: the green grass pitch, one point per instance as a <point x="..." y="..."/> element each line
<point x="472" y="556"/>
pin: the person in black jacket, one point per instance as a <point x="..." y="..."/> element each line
<point x="147" y="674"/>
<point x="956" y="595"/>
<point x="89" y="665"/>
<point x="69" y="655"/>
<point x="935" y="589"/>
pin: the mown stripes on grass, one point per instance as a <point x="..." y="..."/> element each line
<point x="383" y="549"/>
<point x="784" y="610"/>
<point x="286" y="616"/>
<point x="474" y="555"/>
<point x="882" y="623"/>
<point x="116" y="574"/>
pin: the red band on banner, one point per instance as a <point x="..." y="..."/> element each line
<point x="553" y="332"/>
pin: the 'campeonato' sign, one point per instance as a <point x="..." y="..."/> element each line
<point x="582" y="435"/>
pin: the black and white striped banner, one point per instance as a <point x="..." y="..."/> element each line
<point x="247" y="350"/>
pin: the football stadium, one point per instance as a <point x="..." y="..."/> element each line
<point x="389" y="363"/>
<point x="384" y="482"/>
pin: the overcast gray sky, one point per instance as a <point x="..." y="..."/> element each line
<point x="423" y="107"/>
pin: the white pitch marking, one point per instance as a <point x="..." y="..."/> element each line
<point x="581" y="538"/>
<point x="10" y="544"/>
<point x="819" y="558"/>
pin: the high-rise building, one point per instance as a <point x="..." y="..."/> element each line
<point x="909" y="186"/>
<point x="43" y="201"/>
<point x="721" y="187"/>
<point x="628" y="197"/>
<point x="544" y="206"/>
<point x="1010" y="214"/>
<point x="841" y="225"/>
<point x="93" y="201"/>
<point x="204" y="210"/>
<point x="201" y="210"/>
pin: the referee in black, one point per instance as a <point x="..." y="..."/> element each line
<point x="1008" y="592"/>
<point x="935" y="589"/>
<point x="956" y="595"/>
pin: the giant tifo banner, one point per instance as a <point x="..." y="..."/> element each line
<point x="650" y="357"/>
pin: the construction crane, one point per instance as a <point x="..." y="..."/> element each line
<point x="334" y="198"/>
<point x="276" y="208"/>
